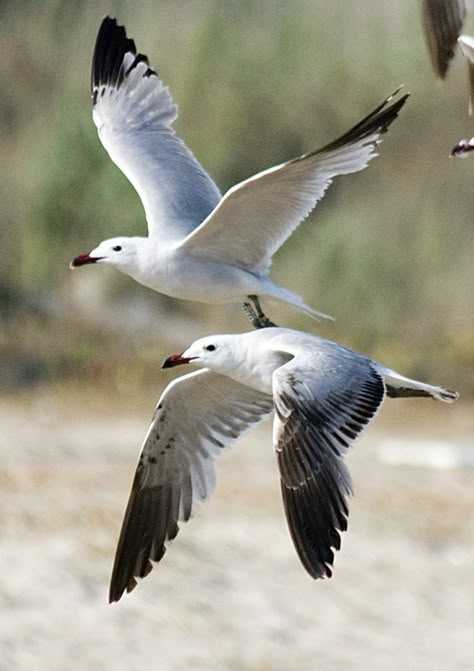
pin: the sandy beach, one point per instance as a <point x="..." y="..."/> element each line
<point x="230" y="593"/>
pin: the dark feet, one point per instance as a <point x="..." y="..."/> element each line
<point x="256" y="315"/>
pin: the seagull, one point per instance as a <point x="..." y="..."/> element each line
<point x="443" y="22"/>
<point x="464" y="147"/>
<point x="466" y="44"/>
<point x="323" y="396"/>
<point x="203" y="246"/>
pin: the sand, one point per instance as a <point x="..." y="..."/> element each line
<point x="230" y="593"/>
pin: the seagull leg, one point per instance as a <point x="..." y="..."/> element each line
<point x="256" y="315"/>
<point x="251" y="314"/>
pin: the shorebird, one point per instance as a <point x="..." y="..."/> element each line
<point x="464" y="147"/>
<point x="323" y="396"/>
<point x="443" y="21"/>
<point x="203" y="246"/>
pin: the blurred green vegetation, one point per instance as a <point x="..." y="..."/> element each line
<point x="389" y="251"/>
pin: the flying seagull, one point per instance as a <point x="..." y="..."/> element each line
<point x="443" y="22"/>
<point x="323" y="396"/>
<point x="464" y="147"/>
<point x="203" y="246"/>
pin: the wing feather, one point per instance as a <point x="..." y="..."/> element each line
<point x="466" y="42"/>
<point x="255" y="217"/>
<point x="134" y="113"/>
<point x="442" y="23"/>
<point x="197" y="416"/>
<point x="320" y="409"/>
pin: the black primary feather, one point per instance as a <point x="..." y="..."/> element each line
<point x="111" y="46"/>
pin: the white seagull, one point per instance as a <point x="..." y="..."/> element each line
<point x="443" y="22"/>
<point x="203" y="246"/>
<point x="466" y="42"/>
<point x="323" y="395"/>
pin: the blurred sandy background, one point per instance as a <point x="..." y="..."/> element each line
<point x="389" y="253"/>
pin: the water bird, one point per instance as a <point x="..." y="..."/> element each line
<point x="443" y="21"/>
<point x="323" y="396"/>
<point x="204" y="246"/>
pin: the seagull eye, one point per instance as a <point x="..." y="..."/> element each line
<point x="117" y="248"/>
<point x="210" y="348"/>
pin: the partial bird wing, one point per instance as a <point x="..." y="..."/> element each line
<point x="134" y="113"/>
<point x="255" y="217"/>
<point x="466" y="43"/>
<point x="322" y="403"/>
<point x="442" y="23"/>
<point x="463" y="148"/>
<point x="197" y="416"/>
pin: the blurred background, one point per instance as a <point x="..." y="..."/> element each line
<point x="389" y="253"/>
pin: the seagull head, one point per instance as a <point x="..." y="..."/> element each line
<point x="248" y="358"/>
<point x="118" y="252"/>
<point x="214" y="352"/>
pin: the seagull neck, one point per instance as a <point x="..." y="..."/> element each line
<point x="255" y="366"/>
<point x="146" y="259"/>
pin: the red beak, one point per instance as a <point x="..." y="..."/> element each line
<point x="83" y="259"/>
<point x="175" y="360"/>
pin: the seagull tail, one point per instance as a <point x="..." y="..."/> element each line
<point x="399" y="386"/>
<point x="287" y="296"/>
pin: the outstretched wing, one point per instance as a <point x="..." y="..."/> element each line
<point x="134" y="113"/>
<point x="321" y="405"/>
<point x="442" y="23"/>
<point x="197" y="416"/>
<point x="255" y="217"/>
<point x="466" y="42"/>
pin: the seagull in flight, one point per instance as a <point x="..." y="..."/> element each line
<point x="204" y="246"/>
<point x="466" y="42"/>
<point x="323" y="396"/>
<point x="463" y="148"/>
<point x="443" y="21"/>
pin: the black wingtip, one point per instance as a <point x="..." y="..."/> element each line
<point x="150" y="521"/>
<point x="442" y="24"/>
<point x="111" y="46"/>
<point x="379" y="120"/>
<point x="463" y="148"/>
<point x="116" y="591"/>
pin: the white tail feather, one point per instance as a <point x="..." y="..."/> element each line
<point x="398" y="385"/>
<point x="293" y="299"/>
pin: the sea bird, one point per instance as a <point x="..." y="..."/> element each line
<point x="203" y="246"/>
<point x="323" y="396"/>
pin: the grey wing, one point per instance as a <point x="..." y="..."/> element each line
<point x="320" y="409"/>
<point x="255" y="217"/>
<point x="134" y="113"/>
<point x="442" y="23"/>
<point x="197" y="416"/>
<point x="466" y="43"/>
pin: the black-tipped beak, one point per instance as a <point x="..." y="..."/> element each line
<point x="176" y="360"/>
<point x="83" y="259"/>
